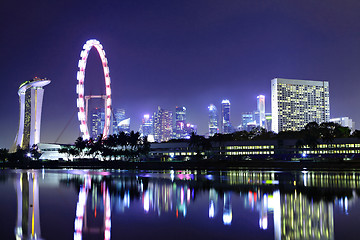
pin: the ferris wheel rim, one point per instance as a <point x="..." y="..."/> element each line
<point x="80" y="87"/>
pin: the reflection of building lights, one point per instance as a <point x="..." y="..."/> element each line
<point x="172" y="176"/>
<point x="182" y="195"/>
<point x="346" y="205"/>
<point x="146" y="201"/>
<point x="211" y="210"/>
<point x="188" y="195"/>
<point x="227" y="211"/>
<point x="227" y="218"/>
<point x="263" y="223"/>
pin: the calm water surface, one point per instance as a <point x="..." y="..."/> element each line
<point x="120" y="204"/>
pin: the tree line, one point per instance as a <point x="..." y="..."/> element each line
<point x="122" y="146"/>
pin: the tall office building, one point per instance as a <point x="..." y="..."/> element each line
<point x="213" y="120"/>
<point x="261" y="110"/>
<point x="162" y="125"/>
<point x="146" y="127"/>
<point x="225" y="117"/>
<point x="97" y="121"/>
<point x="295" y="103"/>
<point x="247" y="120"/>
<point x="120" y="122"/>
<point x="30" y="98"/>
<point x="180" y="123"/>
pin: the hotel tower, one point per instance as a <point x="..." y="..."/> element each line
<point x="30" y="97"/>
<point x="295" y="103"/>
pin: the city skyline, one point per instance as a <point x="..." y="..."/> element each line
<point x="167" y="54"/>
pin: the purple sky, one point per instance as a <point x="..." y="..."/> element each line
<point x="168" y="53"/>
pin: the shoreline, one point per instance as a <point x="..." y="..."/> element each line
<point x="192" y="165"/>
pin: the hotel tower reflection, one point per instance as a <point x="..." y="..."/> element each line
<point x="295" y="205"/>
<point x="28" y="216"/>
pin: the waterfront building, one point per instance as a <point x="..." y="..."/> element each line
<point x="162" y="125"/>
<point x="213" y="120"/>
<point x="225" y="117"/>
<point x="97" y="121"/>
<point x="345" y="122"/>
<point x="295" y="103"/>
<point x="30" y="98"/>
<point x="261" y="111"/>
<point x="180" y="123"/>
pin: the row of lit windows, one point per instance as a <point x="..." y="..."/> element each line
<point x="330" y="152"/>
<point x="250" y="153"/>
<point x="351" y="145"/>
<point x="250" y="147"/>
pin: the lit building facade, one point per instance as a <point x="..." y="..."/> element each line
<point x="120" y="122"/>
<point x="30" y="98"/>
<point x="146" y="127"/>
<point x="162" y="125"/>
<point x="97" y="119"/>
<point x="345" y="122"/>
<point x="261" y="110"/>
<point x="247" y="118"/>
<point x="213" y="120"/>
<point x="295" y="103"/>
<point x="225" y="117"/>
<point x="180" y="123"/>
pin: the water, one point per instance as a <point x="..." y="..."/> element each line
<point x="241" y="204"/>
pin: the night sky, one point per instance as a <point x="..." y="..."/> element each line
<point x="169" y="53"/>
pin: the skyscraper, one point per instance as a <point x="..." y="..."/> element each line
<point x="246" y="119"/>
<point x="30" y="98"/>
<point x="213" y="120"/>
<point x="295" y="103"/>
<point x="225" y="117"/>
<point x="261" y="110"/>
<point x="120" y="122"/>
<point x="180" y="122"/>
<point x="97" y="121"/>
<point x="146" y="127"/>
<point x="162" y="125"/>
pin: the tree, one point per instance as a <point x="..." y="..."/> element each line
<point x="35" y="152"/>
<point x="311" y="134"/>
<point x="4" y="154"/>
<point x="80" y="145"/>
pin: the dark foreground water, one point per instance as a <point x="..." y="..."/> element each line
<point x="241" y="204"/>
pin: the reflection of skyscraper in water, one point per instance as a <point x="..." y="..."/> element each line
<point x="28" y="215"/>
<point x="302" y="218"/>
<point x="213" y="202"/>
<point x="227" y="211"/>
<point x="263" y="220"/>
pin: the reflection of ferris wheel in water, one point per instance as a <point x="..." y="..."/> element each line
<point x="82" y="114"/>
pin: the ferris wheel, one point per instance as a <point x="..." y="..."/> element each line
<point x="82" y="114"/>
